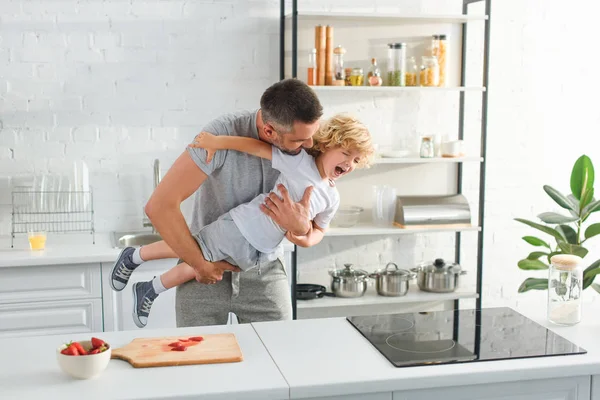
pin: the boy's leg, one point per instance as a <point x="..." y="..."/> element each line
<point x="144" y="293"/>
<point x="130" y="258"/>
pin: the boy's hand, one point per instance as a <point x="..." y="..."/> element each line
<point x="206" y="141"/>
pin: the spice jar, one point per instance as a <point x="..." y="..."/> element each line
<point x="374" y="74"/>
<point x="427" y="149"/>
<point x="565" y="282"/>
<point x="412" y="72"/>
<point x="439" y="49"/>
<point x="339" y="75"/>
<point x="430" y="72"/>
<point x="396" y="64"/>
<point x="312" y="68"/>
<point x="347" y="73"/>
<point x="356" y="77"/>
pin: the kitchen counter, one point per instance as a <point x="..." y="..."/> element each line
<point x="66" y="249"/>
<point x="28" y="370"/>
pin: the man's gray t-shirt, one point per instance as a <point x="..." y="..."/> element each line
<point x="233" y="177"/>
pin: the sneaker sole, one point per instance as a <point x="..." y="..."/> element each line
<point x="136" y="319"/>
<point x="112" y="272"/>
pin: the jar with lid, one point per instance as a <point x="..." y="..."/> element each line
<point x="339" y="74"/>
<point x="427" y="149"/>
<point x="565" y="283"/>
<point x="374" y="74"/>
<point x="412" y="72"/>
<point x="396" y="64"/>
<point x="356" y="77"/>
<point x="312" y="68"/>
<point x="430" y="72"/>
<point x="439" y="49"/>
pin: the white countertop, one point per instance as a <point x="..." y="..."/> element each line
<point x="66" y="249"/>
<point x="29" y="371"/>
<point x="329" y="357"/>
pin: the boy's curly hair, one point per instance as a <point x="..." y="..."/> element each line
<point x="347" y="132"/>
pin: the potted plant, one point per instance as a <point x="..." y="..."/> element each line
<point x="568" y="233"/>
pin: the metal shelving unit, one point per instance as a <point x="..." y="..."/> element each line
<point x="294" y="16"/>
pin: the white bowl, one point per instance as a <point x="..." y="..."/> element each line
<point x="83" y="367"/>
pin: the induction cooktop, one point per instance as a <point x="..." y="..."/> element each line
<point x="444" y="337"/>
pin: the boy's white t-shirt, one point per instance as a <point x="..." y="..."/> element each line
<point x="297" y="173"/>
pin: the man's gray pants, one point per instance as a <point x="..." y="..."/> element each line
<point x="264" y="295"/>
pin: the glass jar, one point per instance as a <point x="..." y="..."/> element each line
<point x="439" y="49"/>
<point x="347" y="73"/>
<point x="412" y="72"/>
<point x="339" y="74"/>
<point x="427" y="150"/>
<point x="374" y="74"/>
<point x="396" y="64"/>
<point x="565" y="283"/>
<point x="356" y="77"/>
<point x="312" y="68"/>
<point x="430" y="72"/>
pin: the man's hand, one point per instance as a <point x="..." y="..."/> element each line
<point x="293" y="217"/>
<point x="206" y="141"/>
<point x="212" y="272"/>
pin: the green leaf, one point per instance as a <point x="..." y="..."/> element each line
<point x="534" y="255"/>
<point x="582" y="176"/>
<point x="590" y="273"/>
<point x="592" y="230"/>
<point x="591" y="208"/>
<point x="574" y="203"/>
<point x="556" y="218"/>
<point x="558" y="197"/>
<point x="596" y="287"/>
<point x="586" y="198"/>
<point x="532" y="264"/>
<point x="533" y="284"/>
<point x="568" y="233"/>
<point x="532" y="240"/>
<point x="573" y="249"/>
<point x="542" y="228"/>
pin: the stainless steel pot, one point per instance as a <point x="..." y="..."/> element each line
<point x="438" y="277"/>
<point x="392" y="281"/>
<point x="349" y="282"/>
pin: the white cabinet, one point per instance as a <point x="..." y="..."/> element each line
<point x="576" y="388"/>
<point x="50" y="318"/>
<point x="595" y="387"/>
<point x="371" y="396"/>
<point x="118" y="306"/>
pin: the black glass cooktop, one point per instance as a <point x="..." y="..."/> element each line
<point x="444" y="337"/>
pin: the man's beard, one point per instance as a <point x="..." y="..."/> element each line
<point x="279" y="145"/>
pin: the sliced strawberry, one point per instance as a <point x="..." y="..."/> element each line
<point x="79" y="348"/>
<point x="174" y="344"/>
<point x="179" y="348"/>
<point x="184" y="340"/>
<point x="97" y="342"/>
<point x="95" y="351"/>
<point x="197" y="338"/>
<point x="70" y="350"/>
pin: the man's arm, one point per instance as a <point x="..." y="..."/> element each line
<point x="254" y="147"/>
<point x="314" y="236"/>
<point x="163" y="209"/>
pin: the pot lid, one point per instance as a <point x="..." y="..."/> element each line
<point x="440" y="266"/>
<point x="391" y="269"/>
<point x="349" y="272"/>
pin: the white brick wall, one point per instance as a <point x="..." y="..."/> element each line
<point x="121" y="82"/>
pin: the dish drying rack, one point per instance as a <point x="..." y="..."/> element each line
<point x="51" y="211"/>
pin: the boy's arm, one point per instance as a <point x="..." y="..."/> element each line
<point x="313" y="237"/>
<point x="210" y="143"/>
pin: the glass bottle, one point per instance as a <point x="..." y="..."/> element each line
<point x="357" y="77"/>
<point x="565" y="283"/>
<point x="396" y="64"/>
<point x="312" y="68"/>
<point x="439" y="49"/>
<point x="430" y="72"/>
<point x="427" y="150"/>
<point x="339" y="75"/>
<point x="374" y="74"/>
<point x="412" y="72"/>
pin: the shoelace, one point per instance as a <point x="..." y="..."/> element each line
<point x="123" y="272"/>
<point x="145" y="308"/>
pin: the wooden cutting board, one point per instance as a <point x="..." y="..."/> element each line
<point x="156" y="352"/>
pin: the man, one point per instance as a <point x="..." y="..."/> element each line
<point x="288" y="118"/>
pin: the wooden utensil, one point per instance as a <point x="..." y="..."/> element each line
<point x="328" y="55"/>
<point x="156" y="352"/>
<point x="320" y="43"/>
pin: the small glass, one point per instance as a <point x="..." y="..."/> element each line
<point x="312" y="68"/>
<point x="356" y="77"/>
<point x="374" y="74"/>
<point x="427" y="149"/>
<point x="37" y="240"/>
<point x="412" y="72"/>
<point x="565" y="283"/>
<point x="430" y="72"/>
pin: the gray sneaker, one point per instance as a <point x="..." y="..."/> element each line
<point x="121" y="271"/>
<point x="143" y="297"/>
